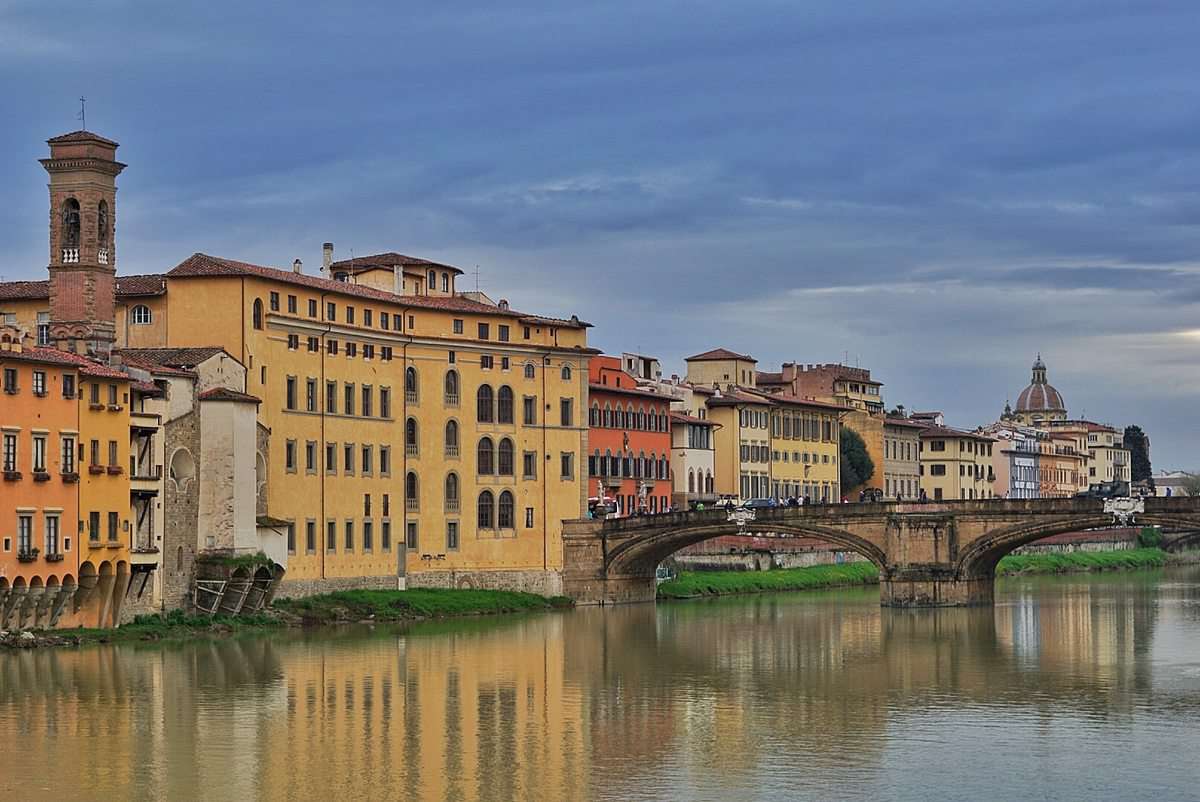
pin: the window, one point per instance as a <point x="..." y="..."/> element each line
<point x="68" y="385"/>
<point x="485" y="457"/>
<point x="566" y="410"/>
<point x="483" y="331"/>
<point x="525" y="333"/>
<point x="331" y="397"/>
<point x="385" y="353"/>
<point x="483" y="404"/>
<point x="349" y="539"/>
<point x="451" y="535"/>
<point x="140" y="315"/>
<point x="385" y="320"/>
<point x="368" y="453"/>
<point x="291" y="538"/>
<point x="502" y="333"/>
<point x="291" y="304"/>
<point x="529" y="410"/>
<point x="486" y="510"/>
<point x="291" y="392"/>
<point x="385" y="402"/>
<point x="289" y="456"/>
<point x="410" y="536"/>
<point x="367" y="317"/>
<point x="330" y="311"/>
<point x="312" y="307"/>
<point x="937" y="470"/>
<point x="411" y="496"/>
<point x="451" y="357"/>
<point x="529" y="465"/>
<point x="431" y="281"/>
<point x="445" y="282"/>
<point x="94" y="527"/>
<point x="310" y="537"/>
<point x="310" y="456"/>
<point x="351" y="350"/>
<point x="366" y="400"/>
<point x="411" y="445"/>
<point x="314" y="344"/>
<point x="410" y="385"/>
<point x="114" y="523"/>
<point x="348" y="458"/>
<point x="368" y="535"/>
<point x="39" y="382"/>
<point x="504" y="405"/>
<point x="10" y="380"/>
<point x="451" y="501"/>
<point x="368" y="351"/>
<point x="451" y="440"/>
<point x="350" y="314"/>
<point x="385" y="460"/>
<point x="348" y="399"/>
<point x="451" y="388"/>
<point x="485" y="362"/>
<point x="503" y="363"/>
<point x="257" y="313"/>
<point x="331" y="347"/>
<point x="458" y="325"/>
<point x="10" y="452"/>
<point x="385" y="535"/>
<point x="113" y="462"/>
<point x="310" y="395"/>
<point x="24" y="534"/>
<point x="504" y="457"/>
<point x="505" y="511"/>
<point x="274" y="297"/>
<point x="529" y="371"/>
<point x="566" y="372"/>
<point x="331" y="536"/>
<point x="529" y="517"/>
<point x="567" y="461"/>
<point x="67" y="464"/>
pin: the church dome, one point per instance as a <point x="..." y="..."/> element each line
<point x="1040" y="396"/>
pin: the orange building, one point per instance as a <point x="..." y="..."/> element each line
<point x="629" y="439"/>
<point x="39" y="435"/>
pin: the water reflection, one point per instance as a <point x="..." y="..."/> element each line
<point x="751" y="698"/>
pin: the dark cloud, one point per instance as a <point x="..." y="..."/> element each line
<point x="939" y="187"/>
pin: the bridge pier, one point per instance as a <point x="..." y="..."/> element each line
<point x="934" y="587"/>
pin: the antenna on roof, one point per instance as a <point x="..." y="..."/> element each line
<point x="82" y="115"/>
<point x="476" y="278"/>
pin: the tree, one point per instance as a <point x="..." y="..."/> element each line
<point x="1139" y="453"/>
<point x="898" y="412"/>
<point x="857" y="467"/>
<point x="1191" y="485"/>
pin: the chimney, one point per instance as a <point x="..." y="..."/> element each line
<point x="297" y="266"/>
<point x="326" y="256"/>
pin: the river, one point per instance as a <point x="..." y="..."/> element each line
<point x="1084" y="687"/>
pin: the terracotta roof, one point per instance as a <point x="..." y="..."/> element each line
<point x="185" y="358"/>
<point x="719" y="353"/>
<point x="388" y="260"/>
<point x="738" y="396"/>
<point x="1040" y="398"/>
<point x="44" y="356"/>
<point x="127" y="287"/>
<point x="148" y="284"/>
<point x="768" y="378"/>
<point x="88" y="367"/>
<point x="200" y="264"/>
<point x="947" y="432"/>
<point x="608" y="388"/>
<point x="225" y="394"/>
<point x="788" y="398"/>
<point x="682" y="418"/>
<point x="80" y="136"/>
<point x="24" y="290"/>
<point x="147" y="388"/>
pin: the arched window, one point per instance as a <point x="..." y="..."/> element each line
<point x="608" y="421"/>
<point x="483" y="404"/>
<point x="445" y="282"/>
<point x="504" y="405"/>
<point x="641" y="418"/>
<point x="487" y="511"/>
<point x="432" y="283"/>
<point x="691" y="481"/>
<point x="708" y="483"/>
<point x="485" y="457"/>
<point x="410" y="384"/>
<point x="102" y="232"/>
<point x="179" y="558"/>
<point x="504" y="458"/>
<point x="566" y="372"/>
<point x="69" y="236"/>
<point x="529" y="370"/>
<point x="411" y="495"/>
<point x="452" y="388"/>
<point x="410" y="437"/>
<point x="451" y="438"/>
<point x="452" y="492"/>
<point x="504" y="517"/>
<point x="257" y="313"/>
<point x="140" y="315"/>
<point x="594" y="416"/>
<point x="630" y="417"/>
<point x="606" y="463"/>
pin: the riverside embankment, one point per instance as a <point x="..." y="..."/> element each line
<point x="690" y="584"/>
<point x="343" y="607"/>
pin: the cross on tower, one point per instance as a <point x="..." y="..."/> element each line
<point x="82" y="116"/>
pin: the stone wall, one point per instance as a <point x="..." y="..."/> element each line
<point x="297" y="588"/>
<point x="181" y="512"/>
<point x="543" y="583"/>
<point x="763" y="560"/>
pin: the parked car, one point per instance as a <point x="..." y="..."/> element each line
<point x="726" y="503"/>
<point x="662" y="574"/>
<point x="759" y="503"/>
<point x="1116" y="489"/>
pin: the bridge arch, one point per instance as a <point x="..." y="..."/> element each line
<point x="640" y="556"/>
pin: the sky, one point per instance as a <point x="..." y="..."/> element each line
<point x="937" y="190"/>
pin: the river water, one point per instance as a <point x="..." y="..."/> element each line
<point x="1086" y="687"/>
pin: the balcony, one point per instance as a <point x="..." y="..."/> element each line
<point x="451" y="401"/>
<point x="69" y="477"/>
<point x="410" y="396"/>
<point x="56" y="557"/>
<point x="102" y="256"/>
<point x="412" y="504"/>
<point x="12" y="476"/>
<point x="452" y="505"/>
<point x="411" y="450"/>
<point x="70" y="256"/>
<point x="95" y="470"/>
<point x="27" y="555"/>
<point x="451" y="452"/>
<point x="114" y="470"/>
<point x="41" y="475"/>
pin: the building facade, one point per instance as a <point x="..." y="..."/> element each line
<point x="901" y="459"/>
<point x="956" y="464"/>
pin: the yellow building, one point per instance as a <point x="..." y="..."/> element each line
<point x="956" y="464"/>
<point x="804" y="449"/>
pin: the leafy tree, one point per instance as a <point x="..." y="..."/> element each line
<point x="1139" y="453"/>
<point x="898" y="412"/>
<point x="1191" y="485"/>
<point x="857" y="467"/>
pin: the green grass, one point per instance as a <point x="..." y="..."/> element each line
<point x="1081" y="561"/>
<point x="718" y="583"/>
<point x="398" y="605"/>
<point x="175" y="625"/>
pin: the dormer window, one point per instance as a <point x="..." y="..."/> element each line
<point x="140" y="315"/>
<point x="341" y="275"/>
<point x="432" y="283"/>
<point x="445" y="282"/>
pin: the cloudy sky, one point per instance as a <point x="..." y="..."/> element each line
<point x="935" y="189"/>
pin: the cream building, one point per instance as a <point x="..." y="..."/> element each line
<point x="956" y="464"/>
<point x="901" y="458"/>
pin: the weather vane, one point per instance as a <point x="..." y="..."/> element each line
<point x="82" y="116"/>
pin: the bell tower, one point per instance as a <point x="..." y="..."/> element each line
<point x="83" y="256"/>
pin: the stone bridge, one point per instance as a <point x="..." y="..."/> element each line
<point x="928" y="555"/>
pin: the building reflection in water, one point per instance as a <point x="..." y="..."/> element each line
<point x="596" y="704"/>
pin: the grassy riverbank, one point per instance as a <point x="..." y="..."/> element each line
<point x="328" y="608"/>
<point x="1129" y="559"/>
<point x="718" y="583"/>
<point x="405" y="605"/>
